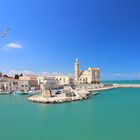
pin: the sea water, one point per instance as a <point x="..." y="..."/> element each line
<point x="110" y="115"/>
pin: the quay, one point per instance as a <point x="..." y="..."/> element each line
<point x="80" y="93"/>
<point x="126" y="85"/>
<point x="52" y="100"/>
<point x="113" y="86"/>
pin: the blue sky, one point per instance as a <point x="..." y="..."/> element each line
<point x="53" y="33"/>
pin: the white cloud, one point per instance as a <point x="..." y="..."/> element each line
<point x="13" y="46"/>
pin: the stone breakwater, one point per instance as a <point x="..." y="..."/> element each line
<point x="52" y="100"/>
<point x="81" y="94"/>
<point x="126" y="85"/>
<point x="113" y="86"/>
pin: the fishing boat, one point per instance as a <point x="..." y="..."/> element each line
<point x="33" y="92"/>
<point x="17" y="92"/>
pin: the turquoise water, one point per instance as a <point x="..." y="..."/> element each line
<point x="110" y="115"/>
<point x="121" y="82"/>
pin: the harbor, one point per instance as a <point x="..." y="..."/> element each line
<point x="58" y="88"/>
<point x="81" y="93"/>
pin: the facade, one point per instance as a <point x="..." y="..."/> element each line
<point x="64" y="80"/>
<point x="48" y="82"/>
<point x="12" y="84"/>
<point x="29" y="81"/>
<point x="24" y="83"/>
<point x="4" y="85"/>
<point x="90" y="76"/>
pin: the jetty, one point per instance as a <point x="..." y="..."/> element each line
<point x="52" y="100"/>
<point x="81" y="93"/>
<point x="126" y="85"/>
<point x="78" y="95"/>
<point x="113" y="86"/>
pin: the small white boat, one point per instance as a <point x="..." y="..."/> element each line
<point x="33" y="92"/>
<point x="18" y="92"/>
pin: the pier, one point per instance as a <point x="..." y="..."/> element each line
<point x="126" y="85"/>
<point x="113" y="86"/>
<point x="81" y="93"/>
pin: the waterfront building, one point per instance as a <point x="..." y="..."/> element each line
<point x="90" y="76"/>
<point x="48" y="82"/>
<point x="4" y="82"/>
<point x="24" y="83"/>
<point x="12" y="84"/>
<point x="64" y="80"/>
<point x="29" y="82"/>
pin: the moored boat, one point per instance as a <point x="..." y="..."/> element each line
<point x="33" y="92"/>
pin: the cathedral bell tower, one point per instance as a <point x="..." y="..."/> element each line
<point x="77" y="69"/>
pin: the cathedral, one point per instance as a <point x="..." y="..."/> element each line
<point x="89" y="76"/>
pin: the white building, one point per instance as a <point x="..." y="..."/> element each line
<point x="91" y="75"/>
<point x="64" y="80"/>
<point x="28" y="82"/>
<point x="14" y="85"/>
<point x="24" y="83"/>
<point x="48" y="82"/>
<point x="4" y="82"/>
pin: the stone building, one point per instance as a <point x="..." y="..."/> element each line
<point x="91" y="75"/>
<point x="47" y="84"/>
<point x="64" y="80"/>
<point x="29" y="82"/>
<point x="24" y="83"/>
